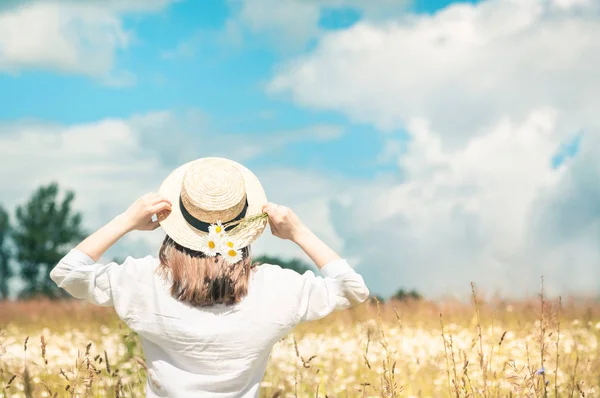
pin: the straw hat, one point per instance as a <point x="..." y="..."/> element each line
<point x="208" y="190"/>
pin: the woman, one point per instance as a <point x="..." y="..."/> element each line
<point x="206" y="316"/>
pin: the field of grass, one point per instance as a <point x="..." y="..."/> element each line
<point x="498" y="348"/>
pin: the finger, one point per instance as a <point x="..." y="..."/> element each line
<point x="153" y="225"/>
<point x="274" y="218"/>
<point x="268" y="208"/>
<point x="272" y="215"/>
<point x="162" y="215"/>
<point x="272" y="208"/>
<point x="159" y="198"/>
<point x="161" y="206"/>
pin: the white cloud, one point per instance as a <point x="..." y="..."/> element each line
<point x="111" y="162"/>
<point x="487" y="93"/>
<point x="191" y="131"/>
<point x="463" y="68"/>
<point x="297" y="19"/>
<point x="67" y="36"/>
<point x="463" y="215"/>
<point x="291" y="23"/>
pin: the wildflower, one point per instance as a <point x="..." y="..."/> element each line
<point x="211" y="245"/>
<point x="216" y="229"/>
<point x="232" y="255"/>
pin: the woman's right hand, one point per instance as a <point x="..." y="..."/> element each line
<point x="284" y="223"/>
<point x="139" y="214"/>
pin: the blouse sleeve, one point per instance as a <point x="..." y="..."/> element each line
<point x="85" y="279"/>
<point x="339" y="287"/>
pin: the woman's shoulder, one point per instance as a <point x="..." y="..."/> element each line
<point x="283" y="276"/>
<point x="139" y="267"/>
<point x="139" y="261"/>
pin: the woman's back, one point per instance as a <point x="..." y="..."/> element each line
<point x="220" y="350"/>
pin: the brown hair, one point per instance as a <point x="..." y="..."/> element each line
<point x="200" y="280"/>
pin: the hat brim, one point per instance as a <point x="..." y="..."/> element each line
<point x="184" y="234"/>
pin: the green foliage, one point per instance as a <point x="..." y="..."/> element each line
<point x="5" y="254"/>
<point x="405" y="295"/>
<point x="294" y="264"/>
<point x="45" y="230"/>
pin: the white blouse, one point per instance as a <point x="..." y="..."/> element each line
<point x="220" y="351"/>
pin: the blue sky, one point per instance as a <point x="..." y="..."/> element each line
<point x="225" y="80"/>
<point x="450" y="126"/>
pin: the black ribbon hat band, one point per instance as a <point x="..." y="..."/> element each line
<point x="203" y="226"/>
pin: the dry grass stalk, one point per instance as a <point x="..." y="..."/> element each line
<point x="389" y="386"/>
<point x="118" y="388"/>
<point x="27" y="384"/>
<point x="43" y="347"/>
<point x="542" y="370"/>
<point x="557" y="347"/>
<point x="446" y="355"/>
<point x="106" y="362"/>
<point x="481" y="355"/>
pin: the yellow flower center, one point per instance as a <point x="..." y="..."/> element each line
<point x="230" y="244"/>
<point x="218" y="229"/>
<point x="231" y="253"/>
<point x="211" y="244"/>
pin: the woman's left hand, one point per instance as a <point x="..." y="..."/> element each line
<point x="139" y="214"/>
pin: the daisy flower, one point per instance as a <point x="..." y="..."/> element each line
<point x="216" y="229"/>
<point x="232" y="255"/>
<point x="211" y="245"/>
<point x="227" y="244"/>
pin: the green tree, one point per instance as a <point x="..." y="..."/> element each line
<point x="5" y="254"/>
<point x="45" y="230"/>
<point x="405" y="295"/>
<point x="294" y="264"/>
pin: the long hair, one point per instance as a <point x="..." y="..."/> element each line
<point x="200" y="280"/>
